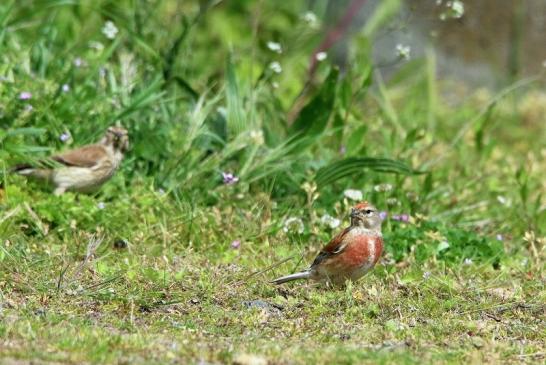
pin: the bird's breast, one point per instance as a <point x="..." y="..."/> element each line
<point x="363" y="251"/>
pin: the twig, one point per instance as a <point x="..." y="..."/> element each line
<point x="10" y="214"/>
<point x="335" y="33"/>
<point x="92" y="247"/>
<point x="264" y="270"/>
<point x="36" y="219"/>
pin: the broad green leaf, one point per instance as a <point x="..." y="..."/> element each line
<point x="355" y="165"/>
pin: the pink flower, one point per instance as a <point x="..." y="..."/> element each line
<point x="401" y="218"/>
<point x="25" y="95"/>
<point x="235" y="244"/>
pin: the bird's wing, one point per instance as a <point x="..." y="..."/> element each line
<point x="87" y="156"/>
<point x="334" y="247"/>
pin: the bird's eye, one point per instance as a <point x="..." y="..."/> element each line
<point x="368" y="211"/>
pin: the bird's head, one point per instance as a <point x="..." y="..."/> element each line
<point x="117" y="137"/>
<point x="367" y="216"/>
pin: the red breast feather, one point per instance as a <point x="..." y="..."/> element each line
<point x="363" y="250"/>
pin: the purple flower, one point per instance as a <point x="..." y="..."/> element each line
<point x="229" y="178"/>
<point x="235" y="244"/>
<point x="401" y="217"/>
<point x="25" y="95"/>
<point x="383" y="215"/>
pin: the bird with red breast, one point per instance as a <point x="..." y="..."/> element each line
<point x="350" y="254"/>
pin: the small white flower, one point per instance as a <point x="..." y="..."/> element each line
<point x="544" y="63"/>
<point x="503" y="200"/>
<point x="330" y="221"/>
<point x="353" y="194"/>
<point x="275" y="67"/>
<point x="393" y="202"/>
<point x="457" y="8"/>
<point x="65" y="136"/>
<point x="438" y="2"/>
<point x="275" y="85"/>
<point x="321" y="56"/>
<point x="383" y="188"/>
<point x="222" y="111"/>
<point x="310" y="18"/>
<point x="98" y="46"/>
<point x="65" y="88"/>
<point x="426" y="275"/>
<point x="78" y="62"/>
<point x="467" y="261"/>
<point x="109" y="30"/>
<point x="293" y="224"/>
<point x="257" y="136"/>
<point x="101" y="205"/>
<point x="403" y="52"/>
<point x="274" y="46"/>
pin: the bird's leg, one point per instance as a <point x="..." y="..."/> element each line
<point x="59" y="190"/>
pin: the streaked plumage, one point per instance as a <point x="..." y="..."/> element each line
<point x="350" y="254"/>
<point x="84" y="169"/>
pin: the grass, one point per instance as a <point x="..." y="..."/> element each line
<point x="148" y="270"/>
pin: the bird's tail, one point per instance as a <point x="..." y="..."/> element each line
<point x="296" y="276"/>
<point x="30" y="171"/>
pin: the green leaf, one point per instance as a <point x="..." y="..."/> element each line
<point x="235" y="113"/>
<point x="367" y="80"/>
<point x="355" y="165"/>
<point x="25" y="132"/>
<point x="314" y="117"/>
<point x="356" y="140"/>
<point x="346" y="93"/>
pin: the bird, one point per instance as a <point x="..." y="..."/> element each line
<point x="84" y="169"/>
<point x="350" y="254"/>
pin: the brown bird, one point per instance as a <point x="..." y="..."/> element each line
<point x="84" y="169"/>
<point x="350" y="254"/>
